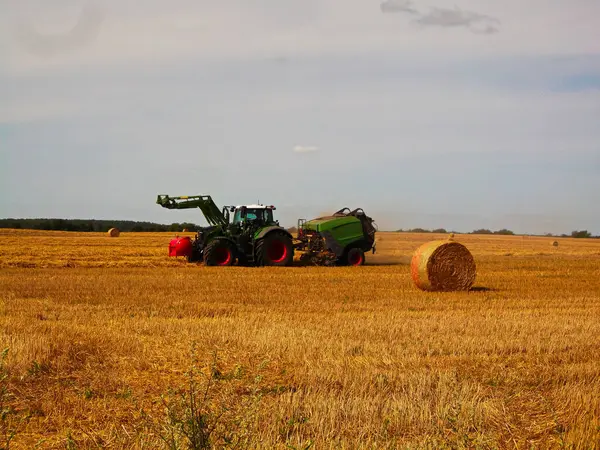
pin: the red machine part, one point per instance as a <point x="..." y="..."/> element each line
<point x="180" y="246"/>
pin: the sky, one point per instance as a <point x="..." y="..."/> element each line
<point x="458" y="114"/>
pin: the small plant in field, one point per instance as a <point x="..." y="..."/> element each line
<point x="37" y="369"/>
<point x="292" y="424"/>
<point x="304" y="446"/>
<point x="210" y="410"/>
<point x="70" y="443"/>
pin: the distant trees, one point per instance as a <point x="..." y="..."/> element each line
<point x="503" y="231"/>
<point x="419" y="230"/>
<point x="482" y="231"/>
<point x="93" y="225"/>
<point x="581" y="234"/>
<point x="422" y="230"/>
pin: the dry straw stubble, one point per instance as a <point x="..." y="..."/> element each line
<point x="443" y="266"/>
<point x="355" y="358"/>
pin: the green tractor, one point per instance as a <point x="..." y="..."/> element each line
<point x="339" y="239"/>
<point x="251" y="237"/>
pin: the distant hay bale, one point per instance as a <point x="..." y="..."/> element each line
<point x="114" y="232"/>
<point x="443" y="266"/>
<point x="555" y="244"/>
<point x="185" y="230"/>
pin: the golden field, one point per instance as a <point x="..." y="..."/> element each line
<point x="106" y="339"/>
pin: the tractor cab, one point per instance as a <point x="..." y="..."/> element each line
<point x="258" y="214"/>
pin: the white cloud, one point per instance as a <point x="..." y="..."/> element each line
<point x="305" y="148"/>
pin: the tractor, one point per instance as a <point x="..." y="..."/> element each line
<point x="251" y="237"/>
<point x="339" y="239"/>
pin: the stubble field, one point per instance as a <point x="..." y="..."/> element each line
<point x="106" y="340"/>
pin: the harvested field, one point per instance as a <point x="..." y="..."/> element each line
<point x="99" y="335"/>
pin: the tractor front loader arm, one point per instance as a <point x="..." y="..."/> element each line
<point x="205" y="203"/>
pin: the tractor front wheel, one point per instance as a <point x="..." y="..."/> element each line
<point x="276" y="249"/>
<point x="219" y="253"/>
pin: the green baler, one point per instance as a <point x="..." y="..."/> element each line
<point x="342" y="238"/>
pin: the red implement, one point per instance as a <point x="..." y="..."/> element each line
<point x="180" y="246"/>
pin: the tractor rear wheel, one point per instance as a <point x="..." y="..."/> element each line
<point x="219" y="252"/>
<point x="276" y="249"/>
<point x="355" y="257"/>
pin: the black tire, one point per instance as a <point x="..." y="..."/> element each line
<point x="275" y="249"/>
<point x="194" y="257"/>
<point x="219" y="252"/>
<point x="354" y="257"/>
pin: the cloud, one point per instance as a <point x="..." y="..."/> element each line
<point x="305" y="149"/>
<point x="392" y="6"/>
<point x="84" y="32"/>
<point x="477" y="23"/>
<point x="444" y="17"/>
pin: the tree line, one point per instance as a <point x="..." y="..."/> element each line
<point x="504" y="232"/>
<point x="444" y="231"/>
<point x="93" y="225"/>
<point x="102" y="226"/>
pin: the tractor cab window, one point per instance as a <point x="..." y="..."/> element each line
<point x="256" y="214"/>
<point x="268" y="215"/>
<point x="237" y="217"/>
<point x="263" y="215"/>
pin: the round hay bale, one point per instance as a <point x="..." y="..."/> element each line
<point x="114" y="232"/>
<point x="555" y="244"/>
<point x="443" y="266"/>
